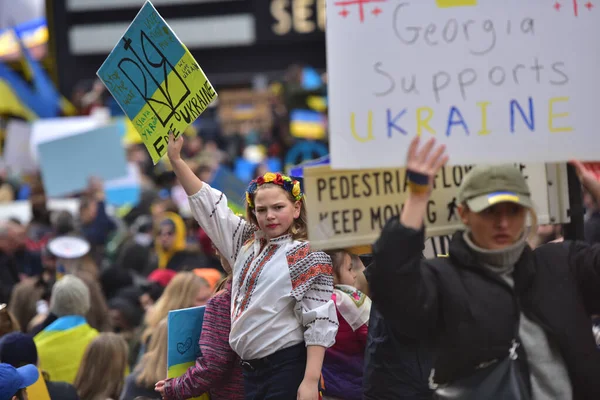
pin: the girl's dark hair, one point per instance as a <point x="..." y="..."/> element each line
<point x="337" y="260"/>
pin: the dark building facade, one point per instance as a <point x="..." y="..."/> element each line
<point x="232" y="40"/>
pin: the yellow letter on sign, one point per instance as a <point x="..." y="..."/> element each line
<point x="552" y="116"/>
<point x="369" y="128"/>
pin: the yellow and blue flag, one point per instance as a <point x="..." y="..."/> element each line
<point x="61" y="347"/>
<point x="30" y="100"/>
<point x="307" y="124"/>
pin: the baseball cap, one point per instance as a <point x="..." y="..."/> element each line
<point x="487" y="185"/>
<point x="13" y="379"/>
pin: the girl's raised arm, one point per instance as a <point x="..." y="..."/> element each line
<point x="227" y="231"/>
<point x="189" y="181"/>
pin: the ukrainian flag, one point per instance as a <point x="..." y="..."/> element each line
<point x="244" y="112"/>
<point x="307" y="124"/>
<point x="61" y="347"/>
<point x="38" y="99"/>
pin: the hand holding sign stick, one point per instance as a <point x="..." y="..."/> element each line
<point x="189" y="181"/>
<point x="587" y="178"/>
<point x="422" y="164"/>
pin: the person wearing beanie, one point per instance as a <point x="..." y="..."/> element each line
<point x="18" y="349"/>
<point x="61" y="344"/>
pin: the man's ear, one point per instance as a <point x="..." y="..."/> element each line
<point x="463" y="212"/>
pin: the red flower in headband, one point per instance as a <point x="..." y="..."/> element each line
<point x="260" y="180"/>
<point x="278" y="179"/>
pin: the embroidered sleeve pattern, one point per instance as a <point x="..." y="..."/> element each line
<point x="312" y="286"/>
<point x="218" y="359"/>
<point x="227" y="231"/>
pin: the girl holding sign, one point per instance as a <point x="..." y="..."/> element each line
<point x="282" y="315"/>
<point x="508" y="322"/>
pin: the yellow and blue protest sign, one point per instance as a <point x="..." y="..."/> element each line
<point x="184" y="328"/>
<point x="156" y="80"/>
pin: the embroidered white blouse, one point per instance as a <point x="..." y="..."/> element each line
<point x="281" y="295"/>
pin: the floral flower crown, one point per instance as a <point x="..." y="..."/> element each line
<point x="290" y="185"/>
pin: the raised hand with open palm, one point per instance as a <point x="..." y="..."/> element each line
<point x="424" y="163"/>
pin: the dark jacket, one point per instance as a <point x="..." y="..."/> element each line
<point x="470" y="312"/>
<point x="591" y="228"/>
<point x="61" y="391"/>
<point x="9" y="276"/>
<point x="396" y="366"/>
<point x="132" y="390"/>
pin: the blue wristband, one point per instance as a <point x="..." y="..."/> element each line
<point x="416" y="177"/>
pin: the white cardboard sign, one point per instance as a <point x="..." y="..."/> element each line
<point x="496" y="81"/>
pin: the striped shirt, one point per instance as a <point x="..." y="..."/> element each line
<point x="218" y="370"/>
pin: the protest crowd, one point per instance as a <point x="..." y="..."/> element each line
<point x="103" y="299"/>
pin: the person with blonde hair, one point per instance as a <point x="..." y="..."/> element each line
<point x="24" y="301"/>
<point x="185" y="290"/>
<point x="151" y="368"/>
<point x="103" y="367"/>
<point x="507" y="321"/>
<point x="8" y="322"/>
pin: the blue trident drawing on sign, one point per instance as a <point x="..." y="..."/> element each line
<point x="163" y="101"/>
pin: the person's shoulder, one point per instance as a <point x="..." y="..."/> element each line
<point x="221" y="297"/>
<point x="61" y="390"/>
<point x="301" y="250"/>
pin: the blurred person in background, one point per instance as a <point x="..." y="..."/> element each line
<point x="185" y="290"/>
<point x="103" y="366"/>
<point x="14" y="382"/>
<point x="96" y="225"/>
<point x="134" y="253"/>
<point x="39" y="228"/>
<point x="8" y="323"/>
<point x="9" y="269"/>
<point x="28" y="260"/>
<point x="97" y="315"/>
<point x="61" y="344"/>
<point x="151" y="368"/>
<point x="171" y="248"/>
<point x="18" y="349"/>
<point x="358" y="267"/>
<point x="27" y="301"/>
<point x="64" y="224"/>
<point x="126" y="316"/>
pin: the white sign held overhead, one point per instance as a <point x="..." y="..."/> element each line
<point x="496" y="81"/>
